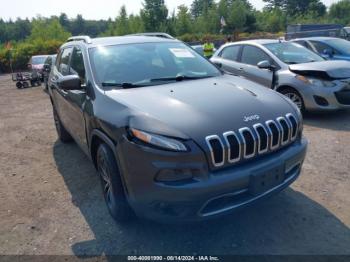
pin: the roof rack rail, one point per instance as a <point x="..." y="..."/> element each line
<point x="84" y="38"/>
<point x="154" y="34"/>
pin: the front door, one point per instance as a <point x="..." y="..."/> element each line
<point x="250" y="58"/>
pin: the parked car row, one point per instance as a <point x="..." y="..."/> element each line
<point x="174" y="137"/>
<point x="41" y="65"/>
<point x="300" y="73"/>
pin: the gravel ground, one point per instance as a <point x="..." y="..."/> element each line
<point x="51" y="201"/>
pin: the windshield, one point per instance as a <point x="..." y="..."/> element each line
<point x="340" y="44"/>
<point x="292" y="53"/>
<point x="38" y="60"/>
<point x="148" y="64"/>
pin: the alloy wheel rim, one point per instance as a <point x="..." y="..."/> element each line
<point x="106" y="182"/>
<point x="295" y="99"/>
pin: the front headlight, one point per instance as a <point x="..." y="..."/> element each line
<point x="315" y="82"/>
<point x="158" y="140"/>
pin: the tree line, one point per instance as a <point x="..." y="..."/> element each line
<point x="218" y="18"/>
<point x="203" y="17"/>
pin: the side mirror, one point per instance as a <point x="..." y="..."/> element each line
<point x="29" y="66"/>
<point x="47" y="68"/>
<point x="328" y="52"/>
<point x="71" y="82"/>
<point x="265" y="64"/>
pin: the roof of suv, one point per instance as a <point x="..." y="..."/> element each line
<point x="116" y="40"/>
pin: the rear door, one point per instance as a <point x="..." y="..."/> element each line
<point x="59" y="95"/>
<point x="227" y="59"/>
<point x="250" y="57"/>
<point x="75" y="99"/>
<point x="70" y="103"/>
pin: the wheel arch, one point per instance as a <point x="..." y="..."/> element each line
<point x="280" y="88"/>
<point x="285" y="87"/>
<point x="97" y="137"/>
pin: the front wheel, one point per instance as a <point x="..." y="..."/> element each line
<point x="112" y="186"/>
<point x="295" y="97"/>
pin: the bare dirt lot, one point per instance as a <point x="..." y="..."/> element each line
<point x="51" y="201"/>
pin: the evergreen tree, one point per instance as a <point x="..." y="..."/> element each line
<point x="154" y="15"/>
<point x="183" y="21"/>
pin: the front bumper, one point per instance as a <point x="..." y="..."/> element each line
<point x="209" y="193"/>
<point x="323" y="98"/>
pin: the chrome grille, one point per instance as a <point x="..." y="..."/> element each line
<point x="249" y="142"/>
<point x="294" y="126"/>
<point x="263" y="138"/>
<point x="234" y="147"/>
<point x="217" y="150"/>
<point x="275" y="134"/>
<point x="284" y="126"/>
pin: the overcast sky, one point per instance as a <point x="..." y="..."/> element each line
<point x="95" y="9"/>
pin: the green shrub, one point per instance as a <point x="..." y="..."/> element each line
<point x="21" y="53"/>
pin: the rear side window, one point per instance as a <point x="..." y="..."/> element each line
<point x="303" y="43"/>
<point x="77" y="64"/>
<point x="252" y="55"/>
<point x="230" y="52"/>
<point x="321" y="47"/>
<point x="63" y="66"/>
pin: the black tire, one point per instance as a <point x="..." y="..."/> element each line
<point x="112" y="186"/>
<point x="19" y="85"/>
<point x="295" y="96"/>
<point x="62" y="133"/>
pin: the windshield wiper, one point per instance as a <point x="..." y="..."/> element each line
<point x="178" y="78"/>
<point x="123" y="85"/>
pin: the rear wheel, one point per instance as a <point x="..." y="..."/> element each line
<point x="62" y="133"/>
<point x="19" y="85"/>
<point x="112" y="186"/>
<point x="295" y="97"/>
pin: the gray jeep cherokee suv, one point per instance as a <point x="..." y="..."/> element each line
<point x="172" y="137"/>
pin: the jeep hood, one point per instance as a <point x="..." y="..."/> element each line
<point x="198" y="108"/>
<point x="324" y="69"/>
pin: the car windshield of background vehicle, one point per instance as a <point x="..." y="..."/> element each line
<point x="38" y="60"/>
<point x="340" y="44"/>
<point x="143" y="64"/>
<point x="291" y="53"/>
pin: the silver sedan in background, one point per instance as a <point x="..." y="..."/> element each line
<point x="310" y="81"/>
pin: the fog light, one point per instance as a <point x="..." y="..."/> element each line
<point x="174" y="175"/>
<point x="321" y="101"/>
